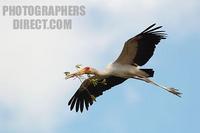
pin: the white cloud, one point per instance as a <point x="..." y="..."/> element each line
<point x="32" y="81"/>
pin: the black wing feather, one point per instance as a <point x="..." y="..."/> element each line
<point x="149" y="27"/>
<point x="146" y="45"/>
<point x="139" y="49"/>
<point x="88" y="89"/>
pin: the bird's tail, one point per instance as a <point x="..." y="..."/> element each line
<point x="150" y="72"/>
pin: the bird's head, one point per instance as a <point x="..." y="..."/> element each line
<point x="82" y="71"/>
<point x="87" y="70"/>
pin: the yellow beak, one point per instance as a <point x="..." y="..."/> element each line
<point x="81" y="72"/>
<point x="75" y="74"/>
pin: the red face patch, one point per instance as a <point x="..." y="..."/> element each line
<point x="87" y="68"/>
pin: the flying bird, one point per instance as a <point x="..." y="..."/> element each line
<point x="136" y="52"/>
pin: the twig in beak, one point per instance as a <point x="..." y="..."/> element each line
<point x="69" y="75"/>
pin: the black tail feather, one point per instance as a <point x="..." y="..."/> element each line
<point x="150" y="72"/>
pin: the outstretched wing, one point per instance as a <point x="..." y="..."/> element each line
<point x="139" y="49"/>
<point x="90" y="89"/>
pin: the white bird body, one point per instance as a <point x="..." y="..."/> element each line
<point x="124" y="70"/>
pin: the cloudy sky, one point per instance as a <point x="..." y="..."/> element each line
<point x="34" y="93"/>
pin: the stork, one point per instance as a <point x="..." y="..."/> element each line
<point x="136" y="52"/>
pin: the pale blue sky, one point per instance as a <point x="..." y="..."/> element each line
<point x="34" y="93"/>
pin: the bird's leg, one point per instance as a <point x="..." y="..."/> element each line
<point x="169" y="89"/>
<point x="138" y="78"/>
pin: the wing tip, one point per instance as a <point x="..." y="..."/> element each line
<point x="149" y="29"/>
<point x="78" y="102"/>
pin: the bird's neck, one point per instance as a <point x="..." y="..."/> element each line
<point x="101" y="73"/>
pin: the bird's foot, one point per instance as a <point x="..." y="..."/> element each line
<point x="174" y="91"/>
